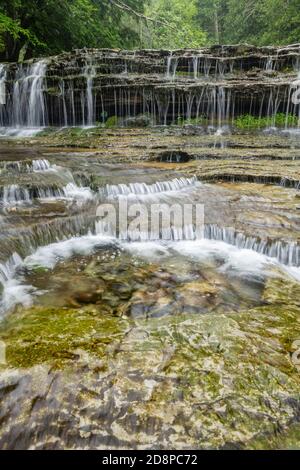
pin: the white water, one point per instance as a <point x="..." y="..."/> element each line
<point x="20" y="131"/>
<point x="172" y="64"/>
<point x="13" y="291"/>
<point x="36" y="98"/>
<point x="14" y="194"/>
<point x="49" y="256"/>
<point x="2" y="84"/>
<point x="143" y="189"/>
<point x="26" y="110"/>
<point x="90" y="73"/>
<point x="40" y="165"/>
<point x="29" y="109"/>
<point x="228" y="259"/>
<point x="285" y="253"/>
<point x="72" y="191"/>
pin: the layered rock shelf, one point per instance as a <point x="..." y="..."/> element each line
<point x="90" y="86"/>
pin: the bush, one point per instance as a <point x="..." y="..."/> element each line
<point x="248" y="121"/>
<point x="112" y="121"/>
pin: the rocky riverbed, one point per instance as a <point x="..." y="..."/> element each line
<point x="129" y="339"/>
<point x="179" y="344"/>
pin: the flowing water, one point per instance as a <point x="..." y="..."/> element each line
<point x="203" y="87"/>
<point x="71" y="291"/>
<point x="45" y="196"/>
<point x="130" y="334"/>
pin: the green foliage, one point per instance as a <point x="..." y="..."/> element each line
<point x="111" y="122"/>
<point x="250" y="122"/>
<point x="12" y="28"/>
<point x="181" y="121"/>
<point x="259" y="22"/>
<point x="51" y="26"/>
<point x="180" y="27"/>
<point x="43" y="27"/>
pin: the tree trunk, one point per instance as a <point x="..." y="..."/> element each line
<point x="217" y="27"/>
<point x="23" y="52"/>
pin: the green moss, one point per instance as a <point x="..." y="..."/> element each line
<point x="287" y="439"/>
<point x="193" y="121"/>
<point x="47" y="132"/>
<point x="248" y="121"/>
<point x="51" y="335"/>
<point x="210" y="379"/>
<point x="111" y="122"/>
<point x="53" y="91"/>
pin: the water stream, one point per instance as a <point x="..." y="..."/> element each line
<point x="146" y="330"/>
<point x="201" y="87"/>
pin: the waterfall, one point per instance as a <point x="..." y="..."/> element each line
<point x="45" y="93"/>
<point x="196" y="66"/>
<point x="29" y="108"/>
<point x="72" y="103"/>
<point x="287" y="182"/>
<point x="40" y="165"/>
<point x="25" y="167"/>
<point x="172" y="64"/>
<point x="14" y="194"/>
<point x="13" y="292"/>
<point x="72" y="191"/>
<point x="269" y="67"/>
<point x="64" y="106"/>
<point x="2" y="84"/>
<point x="7" y="270"/>
<point x="36" y="98"/>
<point x="90" y="73"/>
<point x="3" y="116"/>
<point x="142" y="189"/>
<point x="286" y="253"/>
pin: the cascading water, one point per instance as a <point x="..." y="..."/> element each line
<point x="90" y="73"/>
<point x="37" y="111"/>
<point x="14" y="194"/>
<point x="83" y="236"/>
<point x="2" y="85"/>
<point x="202" y="86"/>
<point x="40" y="165"/>
<point x="286" y="253"/>
<point x="29" y="107"/>
<point x="12" y="292"/>
<point x="269" y="67"/>
<point x="143" y="189"/>
<point x="172" y="63"/>
<point x="2" y="93"/>
<point x="37" y="166"/>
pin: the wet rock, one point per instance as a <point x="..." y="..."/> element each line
<point x="142" y="120"/>
<point x="174" y="157"/>
<point x="173" y="382"/>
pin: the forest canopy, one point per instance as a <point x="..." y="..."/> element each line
<point x="39" y="27"/>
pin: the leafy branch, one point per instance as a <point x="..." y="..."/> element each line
<point x="12" y="27"/>
<point x="126" y="8"/>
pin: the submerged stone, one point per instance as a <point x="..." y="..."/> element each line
<point x="174" y="382"/>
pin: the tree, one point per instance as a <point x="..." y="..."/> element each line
<point x="11" y="32"/>
<point x="51" y="26"/>
<point x="176" y="25"/>
<point x="43" y="27"/>
<point x="260" y="22"/>
<point x="211" y="17"/>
